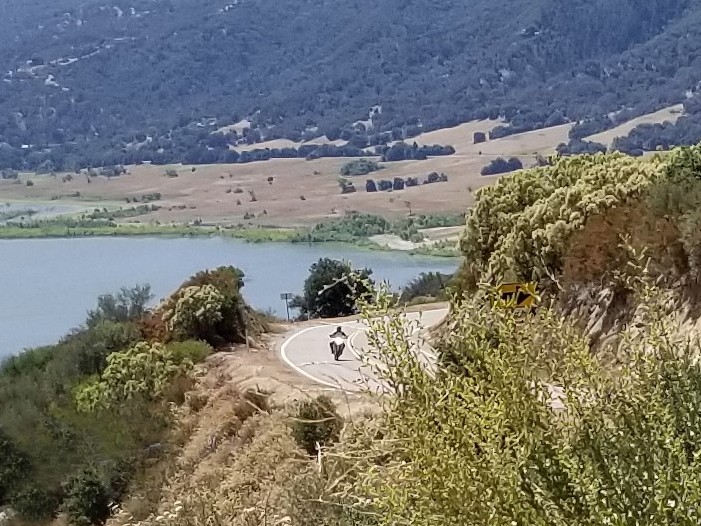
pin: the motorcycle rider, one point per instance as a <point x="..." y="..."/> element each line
<point x="338" y="334"/>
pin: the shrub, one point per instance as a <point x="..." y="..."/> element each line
<point x="14" y="466"/>
<point x="171" y="173"/>
<point x="87" y="501"/>
<point x="431" y="284"/>
<point x="35" y="504"/>
<point x="316" y="421"/>
<point x="347" y="187"/>
<point x="522" y="424"/>
<point x="501" y="166"/>
<point x="196" y="311"/>
<point x="224" y="316"/>
<point x="479" y="137"/>
<point x="190" y="350"/>
<point x="144" y="371"/>
<point x="398" y="183"/>
<point x="359" y="167"/>
<point x="541" y="208"/>
<point x="370" y="186"/>
<point x="127" y="305"/>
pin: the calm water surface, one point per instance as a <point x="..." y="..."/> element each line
<point x="47" y="285"/>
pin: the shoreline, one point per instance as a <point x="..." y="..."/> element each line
<point x="249" y="235"/>
<point x="73" y="223"/>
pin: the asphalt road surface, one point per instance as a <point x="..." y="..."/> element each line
<point x="307" y="351"/>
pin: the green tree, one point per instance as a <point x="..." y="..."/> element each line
<point x="332" y="289"/>
<point x="127" y="305"/>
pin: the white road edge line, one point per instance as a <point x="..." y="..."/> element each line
<point x="283" y="353"/>
<point x="283" y="349"/>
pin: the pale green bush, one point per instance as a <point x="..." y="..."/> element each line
<point x="144" y="371"/>
<point x="196" y="311"/>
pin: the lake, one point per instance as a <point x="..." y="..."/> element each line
<point x="48" y="285"/>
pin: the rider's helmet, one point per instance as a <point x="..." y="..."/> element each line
<point x="338" y="329"/>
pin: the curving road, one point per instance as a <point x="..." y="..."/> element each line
<point x="307" y="352"/>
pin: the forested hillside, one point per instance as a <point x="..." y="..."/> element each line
<point x="97" y="82"/>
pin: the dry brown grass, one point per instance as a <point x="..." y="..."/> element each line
<point x="203" y="193"/>
<point x="235" y="455"/>
<point x="670" y="114"/>
<point x="304" y="192"/>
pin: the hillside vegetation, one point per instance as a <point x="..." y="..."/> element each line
<point x="96" y="83"/>
<point x="519" y="424"/>
<point x="572" y="215"/>
<point x="82" y="419"/>
<point x="520" y="421"/>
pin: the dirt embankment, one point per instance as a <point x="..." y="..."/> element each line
<point x="234" y="459"/>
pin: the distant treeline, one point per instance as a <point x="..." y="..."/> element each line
<point x="65" y="158"/>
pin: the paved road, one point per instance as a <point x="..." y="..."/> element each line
<point x="307" y="352"/>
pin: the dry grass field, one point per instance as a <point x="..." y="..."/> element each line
<point x="670" y="114"/>
<point x="304" y="192"/>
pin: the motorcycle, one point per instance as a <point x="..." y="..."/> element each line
<point x="338" y="344"/>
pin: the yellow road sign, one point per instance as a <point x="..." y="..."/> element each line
<point x="518" y="295"/>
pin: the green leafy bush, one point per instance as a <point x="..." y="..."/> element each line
<point x="191" y="350"/>
<point x="14" y="466"/>
<point x="524" y="222"/>
<point x="35" y="504"/>
<point x="209" y="307"/>
<point x="316" y="421"/>
<point x="87" y="501"/>
<point x="195" y="312"/>
<point x="144" y="371"/>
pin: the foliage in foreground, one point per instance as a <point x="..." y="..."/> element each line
<point x="520" y="424"/>
<point x="144" y="371"/>
<point x="80" y="419"/>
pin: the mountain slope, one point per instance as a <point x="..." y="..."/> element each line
<point x="88" y="78"/>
